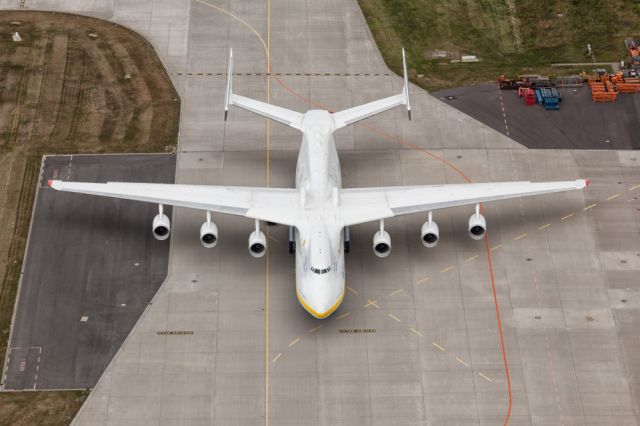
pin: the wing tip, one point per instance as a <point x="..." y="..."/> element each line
<point x="587" y="182"/>
<point x="54" y="184"/>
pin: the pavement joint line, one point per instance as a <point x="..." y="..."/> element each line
<point x="634" y="188"/>
<point x="422" y="280"/>
<point x="438" y="346"/>
<point x="343" y="315"/>
<point x="519" y="237"/>
<point x="567" y="216"/>
<point x="544" y="227"/>
<point x="485" y="377"/>
<point x="397" y="292"/>
<point x="447" y="269"/>
<point x="294" y="341"/>
<point x="496" y="247"/>
<point x="590" y="207"/>
<point x="462" y="362"/>
<point x="395" y="318"/>
<point x="277" y="357"/>
<point x="474" y="257"/>
<point x="352" y="290"/>
<point x="314" y="329"/>
<point x="415" y="331"/>
<point x="372" y="303"/>
<point x="611" y="197"/>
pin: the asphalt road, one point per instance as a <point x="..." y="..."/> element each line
<point x="579" y="124"/>
<point x="92" y="267"/>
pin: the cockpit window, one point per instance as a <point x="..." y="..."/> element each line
<point x="320" y="271"/>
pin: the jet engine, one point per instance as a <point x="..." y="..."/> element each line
<point x="209" y="233"/>
<point x="161" y="225"/>
<point x="257" y="242"/>
<point x="477" y="225"/>
<point x="430" y="233"/>
<point x="381" y="242"/>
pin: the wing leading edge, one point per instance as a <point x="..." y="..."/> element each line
<point x="359" y="205"/>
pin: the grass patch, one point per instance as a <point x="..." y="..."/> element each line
<point x="525" y="39"/>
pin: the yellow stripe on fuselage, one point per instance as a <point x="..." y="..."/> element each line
<point x="320" y="315"/>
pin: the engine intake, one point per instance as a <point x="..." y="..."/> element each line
<point x="477" y="225"/>
<point x="430" y="233"/>
<point x="381" y="242"/>
<point x="209" y="233"/>
<point x="257" y="242"/>
<point x="161" y="225"/>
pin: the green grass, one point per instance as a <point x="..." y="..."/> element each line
<point x="550" y="31"/>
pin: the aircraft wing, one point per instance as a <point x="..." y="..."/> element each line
<point x="278" y="205"/>
<point x="360" y="205"/>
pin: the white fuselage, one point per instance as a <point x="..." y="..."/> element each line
<point x="320" y="267"/>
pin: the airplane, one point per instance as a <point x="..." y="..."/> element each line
<point x="318" y="211"/>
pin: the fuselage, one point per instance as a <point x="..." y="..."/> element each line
<point x="319" y="238"/>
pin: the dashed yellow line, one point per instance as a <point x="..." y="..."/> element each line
<point x="496" y="247"/>
<point x="343" y="315"/>
<point x="277" y="357"/>
<point x="397" y="292"/>
<point x="485" y="377"/>
<point x="294" y="341"/>
<point x="394" y="317"/>
<point x="469" y="259"/>
<point x="611" y="197"/>
<point x="415" y="331"/>
<point x="352" y="290"/>
<point x="422" y="280"/>
<point x="315" y="328"/>
<point x="462" y="362"/>
<point x="438" y="346"/>
<point x="567" y="216"/>
<point x="447" y="269"/>
<point x="634" y="188"/>
<point x="519" y="237"/>
<point x="544" y="227"/>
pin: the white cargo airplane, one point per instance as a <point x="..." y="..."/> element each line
<point x="318" y="210"/>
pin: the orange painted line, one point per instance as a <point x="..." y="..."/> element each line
<point x="315" y="328"/>
<point x="447" y="269"/>
<point x="519" y="237"/>
<point x="422" y="280"/>
<point x="469" y="259"/>
<point x="544" y="227"/>
<point x="590" y="207"/>
<point x="415" y="331"/>
<point x="612" y="197"/>
<point x="277" y="357"/>
<point x="567" y="216"/>
<point x="352" y="290"/>
<point x="397" y="292"/>
<point x="462" y="362"/>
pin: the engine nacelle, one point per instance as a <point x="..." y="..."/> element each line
<point x="257" y="243"/>
<point x="209" y="234"/>
<point x="161" y="227"/>
<point x="430" y="233"/>
<point x="477" y="225"/>
<point x="381" y="243"/>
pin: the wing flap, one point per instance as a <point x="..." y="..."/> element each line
<point x="277" y="205"/>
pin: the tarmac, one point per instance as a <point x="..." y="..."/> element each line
<point x="579" y="124"/>
<point x="91" y="268"/>
<point x="417" y="339"/>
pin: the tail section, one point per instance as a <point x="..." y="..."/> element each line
<point x="294" y="119"/>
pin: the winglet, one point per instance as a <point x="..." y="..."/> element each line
<point x="50" y="183"/>
<point x="587" y="182"/>
<point x="405" y="89"/>
<point x="227" y="96"/>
